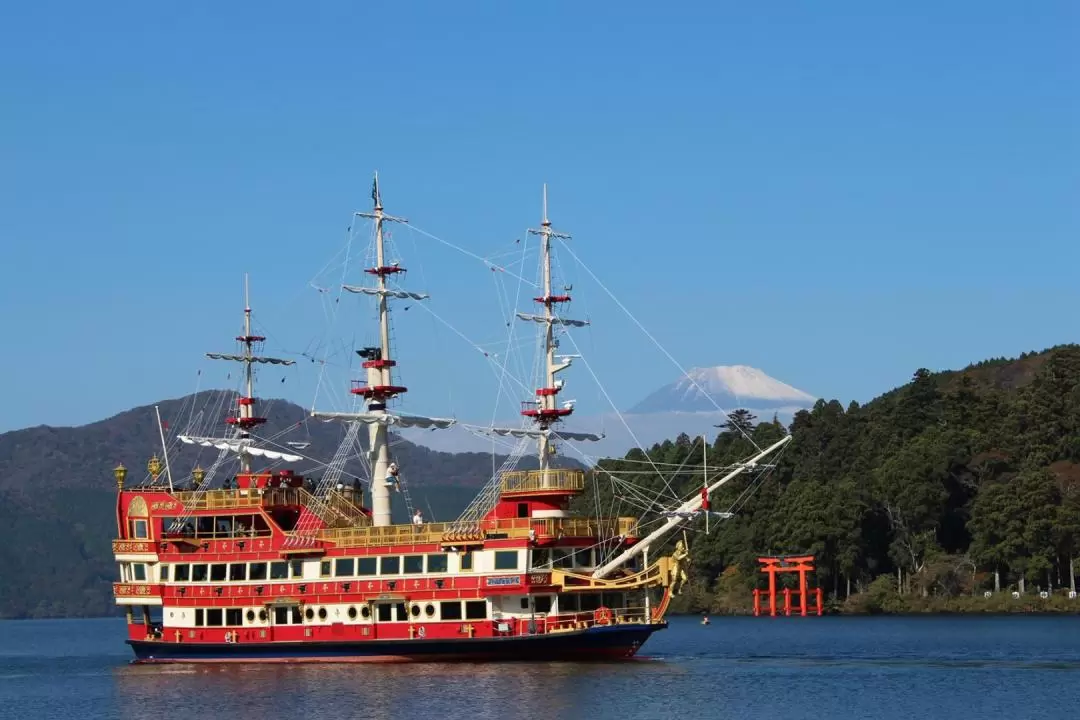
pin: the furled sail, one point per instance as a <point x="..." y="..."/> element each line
<point x="537" y="432"/>
<point x="553" y="320"/>
<point x="388" y="419"/>
<point x="402" y="294"/>
<point x="239" y="446"/>
<point x="252" y="359"/>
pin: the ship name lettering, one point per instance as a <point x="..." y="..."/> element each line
<point x="503" y="581"/>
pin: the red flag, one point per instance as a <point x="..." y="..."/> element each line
<point x="705" y="498"/>
<point x="165" y="424"/>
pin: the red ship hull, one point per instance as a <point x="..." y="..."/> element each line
<point x="617" y="642"/>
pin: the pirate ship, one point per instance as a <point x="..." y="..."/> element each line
<point x="270" y="565"/>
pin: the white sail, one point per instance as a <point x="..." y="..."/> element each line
<point x="405" y="421"/>
<point x="239" y="447"/>
<point x="386" y="292"/>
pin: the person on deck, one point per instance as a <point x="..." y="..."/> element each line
<point x="418" y="518"/>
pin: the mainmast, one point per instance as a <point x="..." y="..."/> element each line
<point x="544" y="410"/>
<point x="379" y="388"/>
<point x="245" y="418"/>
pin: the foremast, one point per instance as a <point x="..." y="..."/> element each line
<point x="545" y="411"/>
<point x="245" y="419"/>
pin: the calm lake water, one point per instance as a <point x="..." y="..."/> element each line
<point x="775" y="669"/>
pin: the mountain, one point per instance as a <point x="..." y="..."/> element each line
<point x="724" y="386"/>
<point x="57" y="494"/>
<point x="681" y="406"/>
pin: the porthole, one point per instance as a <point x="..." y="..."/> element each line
<point x="322" y="613"/>
<point x="262" y="616"/>
<point x="309" y="614"/>
<point x="415" y="610"/>
<point x="352" y="613"/>
<point x="429" y="610"/>
<point x="251" y="616"/>
<point x="365" y="612"/>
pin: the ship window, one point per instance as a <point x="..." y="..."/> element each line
<point x="589" y="602"/>
<point x="564" y="558"/>
<point x="450" y="610"/>
<point x="389" y="565"/>
<point x="214" y="617"/>
<point x="429" y="610"/>
<point x="309" y="614"/>
<point x="415" y="610"/>
<point x="234" y="616"/>
<point x="322" y="613"/>
<point x="217" y="572"/>
<point x="238" y="571"/>
<point x="541" y="559"/>
<point x="257" y="571"/>
<point x="475" y="610"/>
<point x="262" y="616"/>
<point x="365" y="612"/>
<point x="523" y="510"/>
<point x="542" y="603"/>
<point x="506" y="559"/>
<point x="138" y="572"/>
<point x="163" y="573"/>
<point x="297" y="568"/>
<point x="352" y="613"/>
<point x="524" y="603"/>
<point x="182" y="573"/>
<point x="568" y="603"/>
<point x="324" y="568"/>
<point x="583" y="558"/>
<point x="343" y="567"/>
<point x="436" y="563"/>
<point x="384" y="610"/>
<point x="279" y="571"/>
<point x="366" y="566"/>
<point x="414" y="564"/>
<point x="466" y="560"/>
<point x="250" y="616"/>
<point x="281" y="616"/>
<point x="138" y="529"/>
<point x="200" y="617"/>
<point x="402" y="612"/>
<point x="295" y="615"/>
<point x="199" y="573"/>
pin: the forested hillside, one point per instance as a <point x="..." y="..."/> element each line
<point x="932" y="489"/>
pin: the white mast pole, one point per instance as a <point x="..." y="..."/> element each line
<point x="380" y="376"/>
<point x="164" y="448"/>
<point x="705" y="472"/>
<point x="249" y="379"/>
<point x="689" y="506"/>
<point x="547" y="402"/>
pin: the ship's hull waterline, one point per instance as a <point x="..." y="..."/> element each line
<point x="615" y="642"/>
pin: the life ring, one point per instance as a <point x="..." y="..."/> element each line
<point x="602" y="616"/>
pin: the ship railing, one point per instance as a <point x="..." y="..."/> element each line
<point x="525" y="481"/>
<point x="541" y="623"/>
<point x="385" y="535"/>
<point x="218" y="499"/>
<point x="456" y="533"/>
<point x="121" y="589"/>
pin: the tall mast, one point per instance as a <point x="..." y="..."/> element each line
<point x="544" y="410"/>
<point x="379" y="388"/>
<point x="245" y="418"/>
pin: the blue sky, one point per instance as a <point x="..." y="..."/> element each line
<point x="836" y="193"/>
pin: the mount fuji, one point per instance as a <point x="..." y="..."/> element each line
<point x="692" y="404"/>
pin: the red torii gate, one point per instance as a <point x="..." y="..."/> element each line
<point x="801" y="564"/>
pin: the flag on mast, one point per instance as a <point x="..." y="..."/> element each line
<point x="375" y="191"/>
<point x="705" y="498"/>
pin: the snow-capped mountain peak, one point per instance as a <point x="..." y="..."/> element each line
<point x="728" y="386"/>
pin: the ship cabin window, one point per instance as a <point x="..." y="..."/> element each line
<point x="583" y="557"/>
<point x="450" y="610"/>
<point x="200" y="617"/>
<point x="436" y="563"/>
<point x="297" y="568"/>
<point x="163" y="573"/>
<point x="568" y="603"/>
<point x="287" y="616"/>
<point x="614" y="600"/>
<point x="279" y="571"/>
<point x="182" y="573"/>
<point x="506" y="560"/>
<point x="200" y="573"/>
<point x="343" y="567"/>
<point x="324" y="568"/>
<point x="523" y="510"/>
<point x="466" y="560"/>
<point x="390" y="565"/>
<point x="138" y="572"/>
<point x="541" y="559"/>
<point x="217" y="572"/>
<point x="414" y="564"/>
<point x="564" y="558"/>
<point x="542" y="604"/>
<point x="366" y="566"/>
<point x="524" y="603"/>
<point x="383" y="612"/>
<point x="139" y="529"/>
<point x="257" y="571"/>
<point x="589" y="601"/>
<point x="238" y="571"/>
<point x="234" y="616"/>
<point x="401" y="612"/>
<point x="215" y="617"/>
<point x="476" y="610"/>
